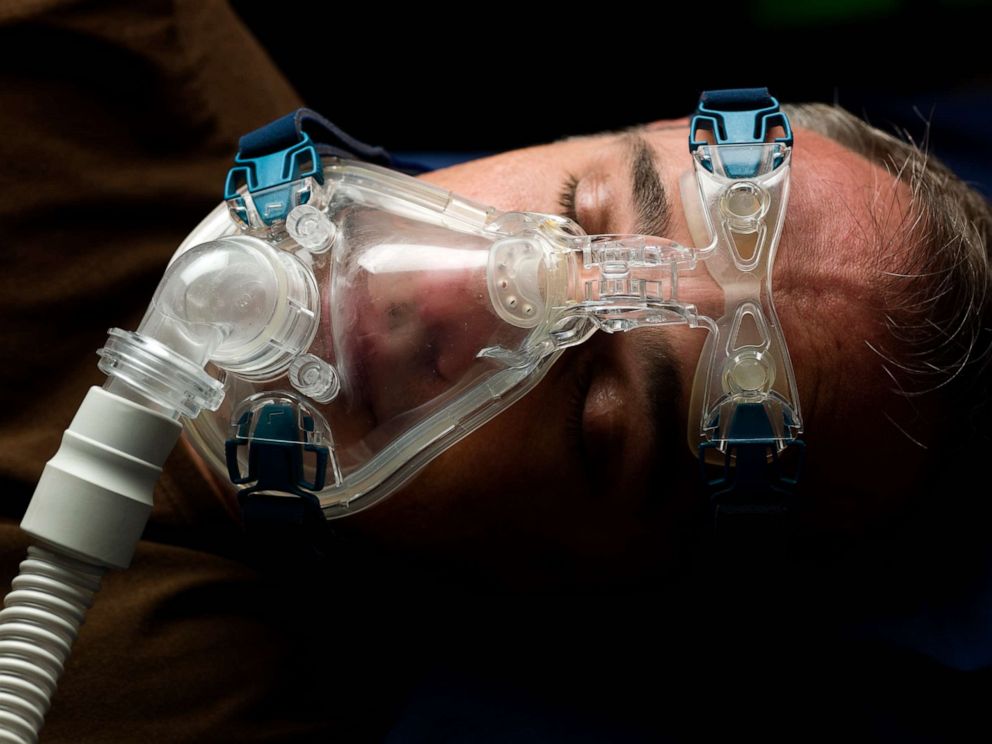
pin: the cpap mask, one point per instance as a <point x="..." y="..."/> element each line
<point x="356" y="322"/>
<point x="339" y="324"/>
<point x="336" y="324"/>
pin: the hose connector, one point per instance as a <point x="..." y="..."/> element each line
<point x="95" y="494"/>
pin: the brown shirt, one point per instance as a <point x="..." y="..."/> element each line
<point x="117" y="124"/>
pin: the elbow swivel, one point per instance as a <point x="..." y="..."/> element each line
<point x="237" y="302"/>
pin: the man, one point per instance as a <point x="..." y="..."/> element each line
<point x="880" y="284"/>
<point x="586" y="483"/>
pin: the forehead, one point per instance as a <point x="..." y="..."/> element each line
<point x="846" y="214"/>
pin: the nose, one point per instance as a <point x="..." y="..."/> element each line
<point x="436" y="318"/>
<point x="422" y="315"/>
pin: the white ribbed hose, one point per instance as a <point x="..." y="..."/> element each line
<point x="38" y="625"/>
<point x="87" y="514"/>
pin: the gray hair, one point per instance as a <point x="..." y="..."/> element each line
<point x="938" y="309"/>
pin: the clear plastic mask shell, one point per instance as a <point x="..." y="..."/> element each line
<point x="410" y="353"/>
<point x="437" y="313"/>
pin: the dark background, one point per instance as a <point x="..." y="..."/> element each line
<point x="492" y="77"/>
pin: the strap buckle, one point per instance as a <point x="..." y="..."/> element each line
<point x="753" y="489"/>
<point x="273" y="181"/>
<point x="743" y="116"/>
<point x="276" y="449"/>
<point x="277" y="162"/>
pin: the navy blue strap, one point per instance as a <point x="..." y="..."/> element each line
<point x="752" y="503"/>
<point x="736" y="99"/>
<point x="283" y="532"/>
<point x="273" y="160"/>
<point x="329" y="139"/>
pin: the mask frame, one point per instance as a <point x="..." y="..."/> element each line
<point x="745" y="402"/>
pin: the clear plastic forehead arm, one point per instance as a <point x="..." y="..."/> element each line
<point x="744" y="392"/>
<point x="742" y="191"/>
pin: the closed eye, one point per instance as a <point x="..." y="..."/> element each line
<point x="566" y="198"/>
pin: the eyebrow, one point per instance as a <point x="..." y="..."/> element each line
<point x="651" y="203"/>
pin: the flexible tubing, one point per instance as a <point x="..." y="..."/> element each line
<point x="39" y="622"/>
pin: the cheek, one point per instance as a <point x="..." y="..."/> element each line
<point x="686" y="346"/>
<point x="515" y="474"/>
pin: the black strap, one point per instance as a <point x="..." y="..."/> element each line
<point x="283" y="531"/>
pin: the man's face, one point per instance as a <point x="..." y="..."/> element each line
<point x="589" y="479"/>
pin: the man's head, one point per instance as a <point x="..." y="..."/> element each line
<point x="588" y="478"/>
